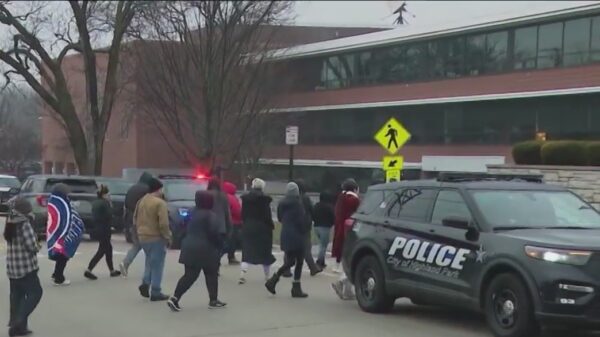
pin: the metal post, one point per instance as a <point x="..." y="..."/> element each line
<point x="291" y="167"/>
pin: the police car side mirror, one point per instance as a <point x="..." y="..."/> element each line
<point x="456" y="222"/>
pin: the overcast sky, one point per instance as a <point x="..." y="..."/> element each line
<point x="379" y="13"/>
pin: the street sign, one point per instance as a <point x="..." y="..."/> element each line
<point x="291" y="135"/>
<point x="392" y="175"/>
<point x="392" y="136"/>
<point x="393" y="163"/>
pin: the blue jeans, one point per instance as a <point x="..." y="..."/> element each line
<point x="155" y="251"/>
<point x="323" y="234"/>
<point x="131" y="254"/>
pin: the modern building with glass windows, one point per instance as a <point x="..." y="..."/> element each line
<point x="465" y="92"/>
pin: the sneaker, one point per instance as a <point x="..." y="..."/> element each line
<point x="216" y="305"/>
<point x="338" y="287"/>
<point x="123" y="269"/>
<point x="144" y="290"/>
<point x="242" y="280"/>
<point x="159" y="298"/>
<point x="314" y="272"/>
<point x="115" y="273"/>
<point x="19" y="331"/>
<point x="90" y="276"/>
<point x="173" y="303"/>
<point x="63" y="283"/>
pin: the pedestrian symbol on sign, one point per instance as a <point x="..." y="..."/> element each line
<point x="392" y="136"/>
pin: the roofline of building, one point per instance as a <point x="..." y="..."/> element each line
<point x="386" y="37"/>
<point x="440" y="100"/>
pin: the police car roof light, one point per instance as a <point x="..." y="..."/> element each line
<point x="456" y="177"/>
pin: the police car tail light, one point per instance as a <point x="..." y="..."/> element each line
<point x="574" y="257"/>
<point x="42" y="200"/>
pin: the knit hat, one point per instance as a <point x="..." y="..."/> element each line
<point x="292" y="190"/>
<point x="350" y="185"/>
<point x="154" y="185"/>
<point x="61" y="190"/>
<point x="258" y="184"/>
<point x="22" y="206"/>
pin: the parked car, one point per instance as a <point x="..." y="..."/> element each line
<point x="180" y="195"/>
<point x="9" y="187"/>
<point x="37" y="189"/>
<point x="524" y="253"/>
<point x="118" y="188"/>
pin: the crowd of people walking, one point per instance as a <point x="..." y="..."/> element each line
<point x="218" y="225"/>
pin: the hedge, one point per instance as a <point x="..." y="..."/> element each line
<point x="528" y="153"/>
<point x="564" y="152"/>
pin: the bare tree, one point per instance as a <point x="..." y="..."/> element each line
<point x="20" y="140"/>
<point x="202" y="76"/>
<point x="42" y="35"/>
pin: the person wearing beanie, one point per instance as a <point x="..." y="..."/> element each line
<point x="257" y="230"/>
<point x="133" y="196"/>
<point x="102" y="217"/>
<point x="290" y="213"/>
<point x="21" y="267"/>
<point x="151" y="218"/>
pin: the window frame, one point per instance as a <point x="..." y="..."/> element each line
<point x="458" y="191"/>
<point x="396" y="197"/>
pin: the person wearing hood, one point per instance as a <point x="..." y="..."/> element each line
<point x="64" y="232"/>
<point x="21" y="267"/>
<point x="257" y="231"/>
<point x="235" y="209"/>
<point x="324" y="217"/>
<point x="290" y="213"/>
<point x="346" y="205"/>
<point x="102" y="215"/>
<point x="221" y="209"/>
<point x="133" y="196"/>
<point x="200" y="251"/>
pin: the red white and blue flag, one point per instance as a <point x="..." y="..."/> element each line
<point x="64" y="229"/>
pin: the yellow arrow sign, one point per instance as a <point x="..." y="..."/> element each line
<point x="393" y="163"/>
<point x="392" y="175"/>
<point x="392" y="136"/>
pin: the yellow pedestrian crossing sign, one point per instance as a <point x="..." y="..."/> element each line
<point x="393" y="163"/>
<point x="392" y="175"/>
<point x="392" y="136"/>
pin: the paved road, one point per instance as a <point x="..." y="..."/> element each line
<point x="113" y="307"/>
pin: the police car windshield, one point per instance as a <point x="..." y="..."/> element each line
<point x="535" y="209"/>
<point x="183" y="190"/>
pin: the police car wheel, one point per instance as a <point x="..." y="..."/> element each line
<point x="369" y="282"/>
<point x="508" y="308"/>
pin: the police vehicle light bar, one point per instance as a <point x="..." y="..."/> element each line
<point x="469" y="176"/>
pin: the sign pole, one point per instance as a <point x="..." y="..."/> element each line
<point x="291" y="167"/>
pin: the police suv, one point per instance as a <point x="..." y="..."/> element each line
<point x="524" y="253"/>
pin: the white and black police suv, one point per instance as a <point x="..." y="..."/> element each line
<point x="525" y="253"/>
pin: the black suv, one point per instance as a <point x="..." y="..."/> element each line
<point x="524" y="253"/>
<point x="37" y="189"/>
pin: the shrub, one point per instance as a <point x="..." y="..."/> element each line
<point x="593" y="149"/>
<point x="572" y="153"/>
<point x="528" y="153"/>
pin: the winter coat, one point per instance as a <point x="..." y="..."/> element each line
<point x="308" y="211"/>
<point x="201" y="245"/>
<point x="323" y="212"/>
<point x="257" y="231"/>
<point x="102" y="216"/>
<point x="133" y="196"/>
<point x="291" y="214"/>
<point x="235" y="208"/>
<point x="346" y="205"/>
<point x="221" y="209"/>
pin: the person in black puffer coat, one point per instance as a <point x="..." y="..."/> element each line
<point x="102" y="216"/>
<point x="201" y="251"/>
<point x="290" y="213"/>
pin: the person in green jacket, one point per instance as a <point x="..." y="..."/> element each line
<point x="102" y="217"/>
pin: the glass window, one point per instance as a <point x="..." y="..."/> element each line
<point x="595" y="43"/>
<point x="450" y="204"/>
<point x="183" y="190"/>
<point x="577" y="42"/>
<point x="26" y="188"/>
<point x="38" y="186"/>
<point x="412" y="204"/>
<point x="373" y="200"/>
<point x="538" y="209"/>
<point x="496" y="51"/>
<point x="10" y="182"/>
<point x="550" y="45"/>
<point x="525" y="48"/>
<point x="455" y="57"/>
<point x="475" y="46"/>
